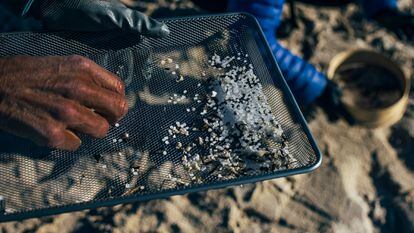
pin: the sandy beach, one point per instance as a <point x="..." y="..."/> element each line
<point x="365" y="183"/>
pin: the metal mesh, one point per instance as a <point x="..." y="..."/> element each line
<point x="36" y="181"/>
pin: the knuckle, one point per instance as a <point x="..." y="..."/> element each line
<point x="71" y="87"/>
<point x="75" y="58"/>
<point x="55" y="135"/>
<point x="68" y="110"/>
<point x="83" y="88"/>
<point x="80" y="62"/>
<point x="77" y="86"/>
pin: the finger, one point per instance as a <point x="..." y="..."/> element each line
<point x="70" y="113"/>
<point x="39" y="127"/>
<point x="71" y="66"/>
<point x="137" y="22"/>
<point x="71" y="142"/>
<point x="109" y="104"/>
<point x="89" y="69"/>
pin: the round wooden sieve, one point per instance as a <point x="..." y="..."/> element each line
<point x="383" y="116"/>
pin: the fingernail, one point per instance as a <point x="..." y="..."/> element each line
<point x="124" y="108"/>
<point x="164" y="31"/>
<point x="103" y="129"/>
<point x="121" y="88"/>
<point x="72" y="142"/>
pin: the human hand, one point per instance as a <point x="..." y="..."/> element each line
<point x="49" y="99"/>
<point x="95" y="15"/>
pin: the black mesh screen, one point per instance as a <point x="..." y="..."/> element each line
<point x="37" y="181"/>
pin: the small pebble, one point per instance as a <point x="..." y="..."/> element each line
<point x="127" y="185"/>
<point x="179" y="79"/>
<point x="116" y="124"/>
<point x="200" y="141"/>
<point x="179" y="145"/>
<point x="242" y="95"/>
<point x="125" y="136"/>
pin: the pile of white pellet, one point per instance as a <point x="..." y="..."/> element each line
<point x="236" y="134"/>
<point x="237" y="126"/>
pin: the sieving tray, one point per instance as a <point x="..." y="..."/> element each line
<point x="36" y="181"/>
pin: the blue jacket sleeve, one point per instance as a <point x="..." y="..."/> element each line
<point x="303" y="79"/>
<point x="372" y="7"/>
